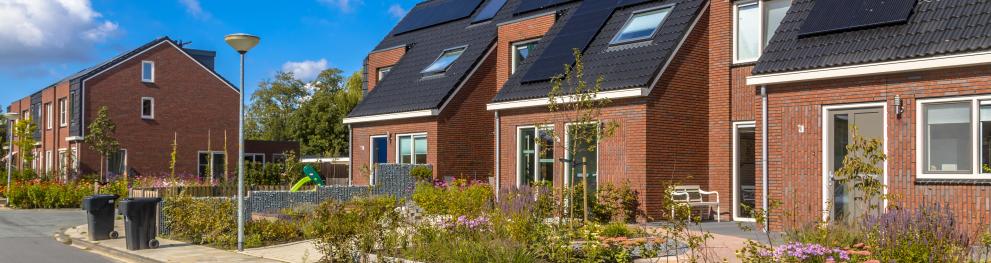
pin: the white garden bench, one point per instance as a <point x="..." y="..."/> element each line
<point x="693" y="196"/>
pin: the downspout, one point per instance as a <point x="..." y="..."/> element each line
<point x="498" y="136"/>
<point x="350" y="156"/>
<point x="763" y="159"/>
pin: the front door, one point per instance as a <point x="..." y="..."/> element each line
<point x="380" y="154"/>
<point x="744" y="172"/>
<point x="846" y="202"/>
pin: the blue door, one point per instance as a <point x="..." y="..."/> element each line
<point x="380" y="146"/>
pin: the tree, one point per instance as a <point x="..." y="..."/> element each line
<point x="24" y="130"/>
<point x="3" y="140"/>
<point x="100" y="137"/>
<point x="270" y="115"/>
<point x="575" y="101"/>
<point x="320" y="128"/>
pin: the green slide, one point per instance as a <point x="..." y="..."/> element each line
<point x="311" y="176"/>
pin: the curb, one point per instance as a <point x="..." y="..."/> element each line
<point x="95" y="246"/>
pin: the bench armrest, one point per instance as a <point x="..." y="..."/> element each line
<point x="711" y="193"/>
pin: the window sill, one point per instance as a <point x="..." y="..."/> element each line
<point x="959" y="180"/>
<point x="148" y="118"/>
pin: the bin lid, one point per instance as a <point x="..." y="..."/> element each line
<point x="98" y="202"/>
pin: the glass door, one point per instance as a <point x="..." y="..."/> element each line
<point x="744" y="172"/>
<point x="846" y="202"/>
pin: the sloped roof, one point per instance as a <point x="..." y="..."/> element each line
<point x="934" y="28"/>
<point x="633" y="65"/>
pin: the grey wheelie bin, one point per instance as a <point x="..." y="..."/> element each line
<point x="140" y="222"/>
<point x="100" y="216"/>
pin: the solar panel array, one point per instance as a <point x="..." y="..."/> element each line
<point x="830" y="16"/>
<point x="578" y="33"/>
<point x="436" y="12"/>
<point x="531" y="5"/>
<point x="489" y="11"/>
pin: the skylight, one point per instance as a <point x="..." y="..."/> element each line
<point x="444" y="61"/>
<point x="642" y="25"/>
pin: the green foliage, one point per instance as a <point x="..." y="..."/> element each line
<point x="213" y="222"/>
<point x="269" y="116"/>
<point x="831" y="235"/>
<point x="271" y="173"/>
<point x="862" y="167"/>
<point x="24" y="130"/>
<point x="345" y="230"/>
<point x="36" y="193"/>
<point x="616" y="230"/>
<point x="422" y="173"/>
<point x="620" y="203"/>
<point x="100" y="135"/>
<point x="460" y="198"/>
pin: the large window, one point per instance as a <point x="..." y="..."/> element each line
<point x="212" y="163"/>
<point x="49" y="116"/>
<point x="117" y="162"/>
<point x="521" y="51"/>
<point x="955" y="138"/>
<point x="444" y="61"/>
<point x="63" y="115"/>
<point x="147" y="71"/>
<point x="754" y="23"/>
<point x="536" y="155"/>
<point x="582" y="153"/>
<point x="412" y="148"/>
<point x="641" y="26"/>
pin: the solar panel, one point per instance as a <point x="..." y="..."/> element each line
<point x="531" y="5"/>
<point x="489" y="11"/>
<point x="436" y="12"/>
<point x="830" y="16"/>
<point x="577" y="33"/>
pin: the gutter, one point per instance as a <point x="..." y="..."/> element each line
<point x="351" y="156"/>
<point x="763" y="159"/>
<point x="498" y="135"/>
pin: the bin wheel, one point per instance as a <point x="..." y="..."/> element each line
<point x="153" y="244"/>
<point x="114" y="235"/>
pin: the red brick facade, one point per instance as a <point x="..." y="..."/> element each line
<point x="379" y="60"/>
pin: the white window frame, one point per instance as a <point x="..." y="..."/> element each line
<point x="212" y="155"/>
<point x="615" y="39"/>
<point x="736" y="170"/>
<point x="254" y="157"/>
<point x="827" y="170"/>
<point x="975" y="135"/>
<point x="413" y="136"/>
<point x="62" y="155"/>
<point x="567" y="150"/>
<point x="48" y="161"/>
<point x="63" y="112"/>
<point x="371" y="155"/>
<point x="142" y="108"/>
<point x="49" y="116"/>
<point x="382" y="72"/>
<point x="152" y="79"/>
<point x="760" y="35"/>
<point x="512" y="52"/>
<point x="536" y="148"/>
<point x="107" y="162"/>
<point x="463" y="49"/>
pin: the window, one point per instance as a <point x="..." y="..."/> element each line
<point x="754" y="24"/>
<point x="63" y="115"/>
<point x="48" y="161"/>
<point x="49" y="116"/>
<point x="383" y="71"/>
<point x="412" y="148"/>
<point x="255" y="158"/>
<point x="641" y="26"/>
<point x="955" y="138"/>
<point x="444" y="61"/>
<point x="212" y="163"/>
<point x="536" y="155"/>
<point x="148" y="108"/>
<point x="62" y="158"/>
<point x="147" y="71"/>
<point x="584" y="163"/>
<point x="117" y="162"/>
<point x="521" y="51"/>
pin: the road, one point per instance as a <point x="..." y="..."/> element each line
<point x="26" y="236"/>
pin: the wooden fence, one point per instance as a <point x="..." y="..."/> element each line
<point x="207" y="191"/>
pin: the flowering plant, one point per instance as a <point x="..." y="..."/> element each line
<point x="802" y="252"/>
<point x="480" y="223"/>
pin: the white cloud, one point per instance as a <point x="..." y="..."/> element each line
<point x="397" y="11"/>
<point x="306" y="70"/>
<point x="33" y="32"/>
<point x="344" y="5"/>
<point x="194" y="9"/>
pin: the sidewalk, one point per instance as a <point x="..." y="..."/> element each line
<point x="169" y="251"/>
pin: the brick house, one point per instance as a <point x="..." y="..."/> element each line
<point x="155" y="93"/>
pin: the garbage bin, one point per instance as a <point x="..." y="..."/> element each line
<point x="140" y="217"/>
<point x="100" y="216"/>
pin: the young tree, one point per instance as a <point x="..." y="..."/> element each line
<point x="100" y="137"/>
<point x="24" y="130"/>
<point x="862" y="170"/>
<point x="574" y="100"/>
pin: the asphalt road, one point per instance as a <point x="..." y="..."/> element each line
<point x="26" y="236"/>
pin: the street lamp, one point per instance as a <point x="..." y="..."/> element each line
<point x="9" y="118"/>
<point x="242" y="43"/>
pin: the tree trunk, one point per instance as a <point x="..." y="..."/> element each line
<point x="585" y="190"/>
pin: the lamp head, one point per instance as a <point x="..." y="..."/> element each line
<point x="242" y="42"/>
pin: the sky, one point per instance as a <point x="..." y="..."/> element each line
<point x="43" y="41"/>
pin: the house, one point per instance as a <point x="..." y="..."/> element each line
<point x="156" y="94"/>
<point x="915" y="78"/>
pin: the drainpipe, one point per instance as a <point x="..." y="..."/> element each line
<point x="497" y="148"/>
<point x="350" y="156"/>
<point x="763" y="159"/>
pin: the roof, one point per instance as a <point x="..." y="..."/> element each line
<point x="406" y="89"/>
<point x="625" y="66"/>
<point x="935" y="28"/>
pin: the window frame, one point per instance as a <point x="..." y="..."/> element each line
<point x="976" y="172"/>
<point x="513" y="47"/>
<point x="147" y="116"/>
<point x="567" y="150"/>
<point x="413" y="137"/>
<point x="49" y="116"/>
<point x="615" y="39"/>
<point x="371" y="155"/>
<point x="48" y="161"/>
<point x="536" y="155"/>
<point x="213" y="155"/>
<point x="382" y="72"/>
<point x="63" y="112"/>
<point x="123" y="161"/>
<point x="448" y="67"/>
<point x="762" y="25"/>
<point x="148" y="80"/>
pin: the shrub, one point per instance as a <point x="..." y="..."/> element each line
<point x="456" y="199"/>
<point x="616" y="230"/>
<point x="618" y="202"/>
<point x="828" y="234"/>
<point x="45" y="194"/>
<point x="213" y="222"/>
<point x="346" y="230"/>
<point x="928" y="234"/>
<point x="422" y="173"/>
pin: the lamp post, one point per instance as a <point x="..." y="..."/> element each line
<point x="9" y="118"/>
<point x="242" y="43"/>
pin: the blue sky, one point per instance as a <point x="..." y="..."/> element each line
<point x="42" y="41"/>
